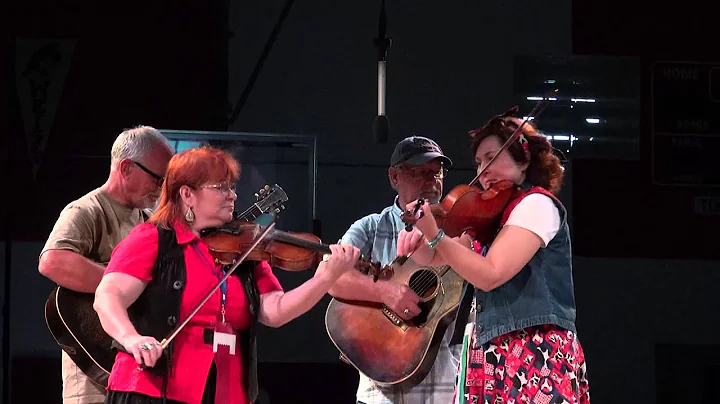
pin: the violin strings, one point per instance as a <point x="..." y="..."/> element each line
<point x="419" y="285"/>
<point x="287" y="238"/>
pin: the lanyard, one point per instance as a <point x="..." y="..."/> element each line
<point x="219" y="273"/>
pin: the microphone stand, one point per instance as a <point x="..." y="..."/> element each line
<point x="382" y="44"/>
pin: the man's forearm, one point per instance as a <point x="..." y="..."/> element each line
<point x="353" y="285"/>
<point x="71" y="270"/>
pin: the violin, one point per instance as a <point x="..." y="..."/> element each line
<point x="290" y="251"/>
<point x="467" y="208"/>
<point x="242" y="240"/>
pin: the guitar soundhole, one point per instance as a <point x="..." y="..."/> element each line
<point x="424" y="283"/>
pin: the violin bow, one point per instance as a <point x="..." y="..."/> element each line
<point x="166" y="341"/>
<point x="536" y="111"/>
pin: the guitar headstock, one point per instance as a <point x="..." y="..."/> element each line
<point x="271" y="199"/>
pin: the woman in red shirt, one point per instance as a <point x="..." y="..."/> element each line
<point x="203" y="364"/>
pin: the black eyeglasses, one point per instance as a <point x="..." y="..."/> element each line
<point x="426" y="174"/>
<point x="158" y="178"/>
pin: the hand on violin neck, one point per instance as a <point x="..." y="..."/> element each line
<point x="341" y="260"/>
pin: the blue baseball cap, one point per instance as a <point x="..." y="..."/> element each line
<point x="417" y="150"/>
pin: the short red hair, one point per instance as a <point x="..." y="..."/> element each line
<point x="194" y="167"/>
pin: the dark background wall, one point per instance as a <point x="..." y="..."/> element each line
<point x="645" y="267"/>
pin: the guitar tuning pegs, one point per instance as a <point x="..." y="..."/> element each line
<point x="257" y="197"/>
<point x="267" y="187"/>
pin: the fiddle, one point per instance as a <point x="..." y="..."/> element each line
<point x="467" y="208"/>
<point x="290" y="251"/>
<point x="242" y="240"/>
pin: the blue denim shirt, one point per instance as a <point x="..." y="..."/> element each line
<point x="541" y="293"/>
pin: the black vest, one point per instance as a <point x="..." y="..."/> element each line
<point x="157" y="310"/>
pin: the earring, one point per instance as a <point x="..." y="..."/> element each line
<point x="523" y="142"/>
<point x="189" y="215"/>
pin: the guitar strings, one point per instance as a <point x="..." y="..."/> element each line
<point x="425" y="281"/>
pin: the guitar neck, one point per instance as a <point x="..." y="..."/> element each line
<point x="250" y="214"/>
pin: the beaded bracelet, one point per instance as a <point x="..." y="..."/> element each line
<point x="432" y="243"/>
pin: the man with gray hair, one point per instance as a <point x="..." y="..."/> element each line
<point x="90" y="227"/>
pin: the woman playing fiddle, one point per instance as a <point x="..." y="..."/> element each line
<point x="161" y="272"/>
<point x="523" y="343"/>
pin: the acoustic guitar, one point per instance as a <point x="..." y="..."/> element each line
<point x="389" y="350"/>
<point x="76" y="327"/>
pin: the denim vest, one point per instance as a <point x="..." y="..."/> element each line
<point x="541" y="293"/>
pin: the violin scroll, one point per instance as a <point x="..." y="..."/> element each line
<point x="410" y="218"/>
<point x="374" y="269"/>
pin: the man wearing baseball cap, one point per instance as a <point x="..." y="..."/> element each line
<point x="417" y="169"/>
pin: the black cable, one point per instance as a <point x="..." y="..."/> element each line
<point x="258" y="66"/>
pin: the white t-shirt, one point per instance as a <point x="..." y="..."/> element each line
<point x="538" y="214"/>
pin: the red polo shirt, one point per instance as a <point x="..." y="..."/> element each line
<point x="192" y="358"/>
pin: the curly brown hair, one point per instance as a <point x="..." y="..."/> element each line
<point x="545" y="168"/>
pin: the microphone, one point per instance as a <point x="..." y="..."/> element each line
<point x="381" y="126"/>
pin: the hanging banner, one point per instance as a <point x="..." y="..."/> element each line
<point x="41" y="67"/>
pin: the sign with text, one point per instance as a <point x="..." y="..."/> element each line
<point x="685" y="104"/>
<point x="706" y="205"/>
